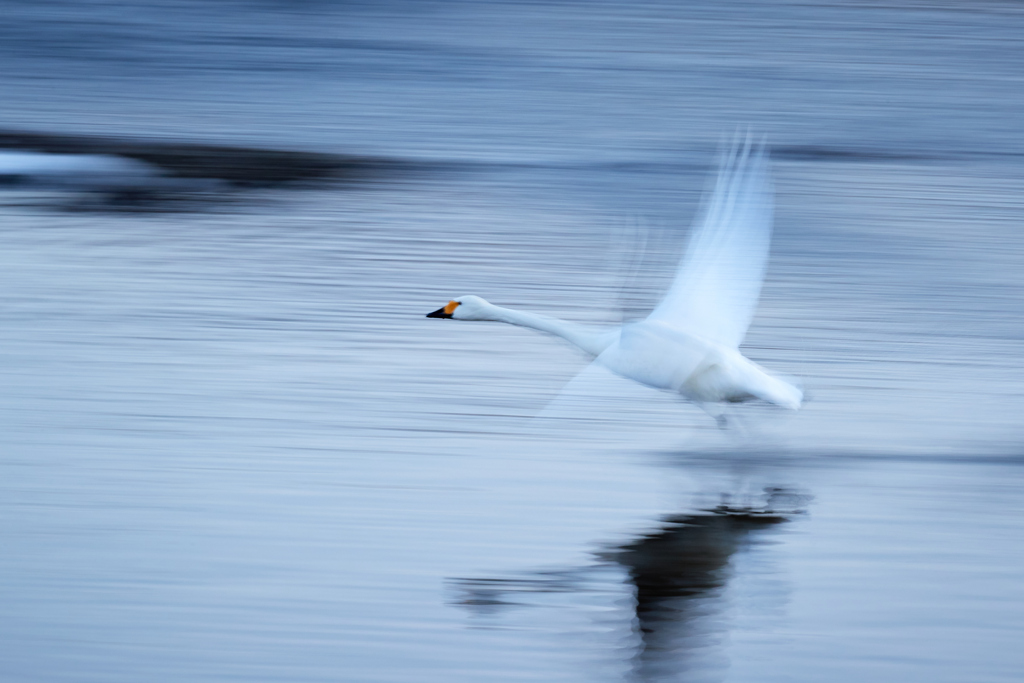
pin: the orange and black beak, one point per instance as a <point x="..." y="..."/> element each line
<point x="445" y="311"/>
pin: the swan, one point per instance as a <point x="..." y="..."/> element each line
<point x="689" y="344"/>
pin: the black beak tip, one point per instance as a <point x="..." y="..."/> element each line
<point x="439" y="313"/>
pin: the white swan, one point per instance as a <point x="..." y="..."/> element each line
<point x="690" y="343"/>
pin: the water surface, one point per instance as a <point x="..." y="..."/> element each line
<point x="234" y="449"/>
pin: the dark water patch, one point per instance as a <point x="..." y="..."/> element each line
<point x="237" y="166"/>
<point x="822" y="153"/>
<point x="1007" y="454"/>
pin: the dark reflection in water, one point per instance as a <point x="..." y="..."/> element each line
<point x="677" y="573"/>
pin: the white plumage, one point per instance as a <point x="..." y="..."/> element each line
<point x="689" y="344"/>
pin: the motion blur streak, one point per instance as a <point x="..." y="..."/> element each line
<point x="233" y="448"/>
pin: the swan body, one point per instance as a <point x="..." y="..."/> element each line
<point x="701" y="370"/>
<point x="689" y="344"/>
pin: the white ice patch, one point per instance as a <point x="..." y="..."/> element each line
<point x="83" y="170"/>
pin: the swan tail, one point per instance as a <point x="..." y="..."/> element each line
<point x="777" y="391"/>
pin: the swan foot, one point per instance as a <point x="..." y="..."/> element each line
<point x="714" y="411"/>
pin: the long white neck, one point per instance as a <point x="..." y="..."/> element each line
<point x="590" y="340"/>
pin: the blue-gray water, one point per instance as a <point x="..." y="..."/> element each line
<point x="234" y="449"/>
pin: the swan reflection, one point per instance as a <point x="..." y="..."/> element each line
<point x="676" y="574"/>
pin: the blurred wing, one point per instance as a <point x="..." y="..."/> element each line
<point x="594" y="394"/>
<point x="627" y="250"/>
<point x="716" y="288"/>
<point x="598" y="404"/>
<point x="597" y="398"/>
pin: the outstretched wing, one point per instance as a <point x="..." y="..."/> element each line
<point x="591" y="396"/>
<point x="598" y="398"/>
<point x="716" y="288"/>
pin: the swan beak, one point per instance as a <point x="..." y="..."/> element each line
<point x="445" y="311"/>
<point x="439" y="313"/>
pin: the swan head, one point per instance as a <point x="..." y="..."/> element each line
<point x="464" y="308"/>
